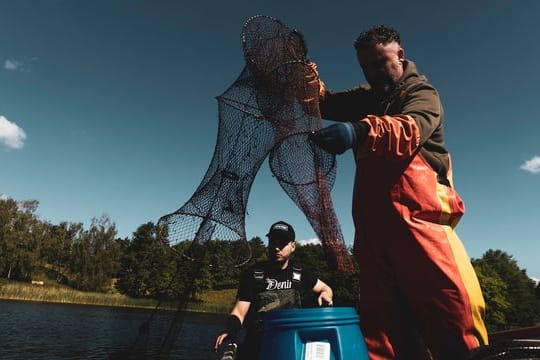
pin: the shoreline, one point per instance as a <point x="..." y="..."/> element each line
<point x="67" y="302"/>
<point x="193" y="316"/>
<point x="119" y="306"/>
<point x="212" y="302"/>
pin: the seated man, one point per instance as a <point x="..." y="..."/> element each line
<point x="274" y="285"/>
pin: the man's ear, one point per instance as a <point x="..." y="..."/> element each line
<point x="293" y="246"/>
<point x="401" y="54"/>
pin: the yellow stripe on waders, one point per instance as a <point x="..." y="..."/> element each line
<point x="465" y="268"/>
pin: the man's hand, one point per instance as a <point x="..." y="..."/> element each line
<point x="338" y="138"/>
<point x="232" y="325"/>
<point x="312" y="78"/>
<point x="325" y="292"/>
<point x="325" y="297"/>
<point x="335" y="138"/>
<point x="219" y="340"/>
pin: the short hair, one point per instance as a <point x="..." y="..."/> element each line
<point x="378" y="34"/>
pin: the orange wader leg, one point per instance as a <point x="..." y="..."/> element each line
<point x="433" y="267"/>
<point x="387" y="325"/>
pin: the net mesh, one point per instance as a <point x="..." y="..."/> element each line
<point x="268" y="111"/>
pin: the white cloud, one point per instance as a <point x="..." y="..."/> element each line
<point x="19" y="65"/>
<point x="314" y="241"/>
<point x="534" y="279"/>
<point x="11" y="64"/>
<point x="532" y="165"/>
<point x="11" y="134"/>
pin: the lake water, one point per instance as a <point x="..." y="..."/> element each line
<point x="34" y="330"/>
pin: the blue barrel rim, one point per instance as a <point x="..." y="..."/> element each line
<point x="340" y="312"/>
<point x="311" y="317"/>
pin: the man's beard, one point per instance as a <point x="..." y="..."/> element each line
<point x="274" y="259"/>
<point x="383" y="87"/>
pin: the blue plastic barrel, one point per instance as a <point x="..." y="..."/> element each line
<point x="329" y="333"/>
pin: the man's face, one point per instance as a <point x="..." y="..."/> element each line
<point x="382" y="65"/>
<point x="280" y="250"/>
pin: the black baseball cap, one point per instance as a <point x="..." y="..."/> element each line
<point x="281" y="231"/>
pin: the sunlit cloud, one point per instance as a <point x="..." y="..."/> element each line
<point x="22" y="64"/>
<point x="313" y="241"/>
<point x="532" y="165"/>
<point x="13" y="65"/>
<point x="11" y="135"/>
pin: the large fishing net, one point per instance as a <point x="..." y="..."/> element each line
<point x="268" y="111"/>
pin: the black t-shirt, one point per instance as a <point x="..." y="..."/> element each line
<point x="274" y="280"/>
<point x="272" y="289"/>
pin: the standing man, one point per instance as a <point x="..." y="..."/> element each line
<point x="415" y="275"/>
<point x="274" y="285"/>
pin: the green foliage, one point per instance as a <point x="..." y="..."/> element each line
<point x="147" y="269"/>
<point x="95" y="256"/>
<point x="93" y="259"/>
<point x="259" y="253"/>
<point x="29" y="246"/>
<point x="57" y="247"/>
<point x="20" y="234"/>
<point x="510" y="294"/>
<point x="345" y="288"/>
<point x="221" y="274"/>
<point x="217" y="271"/>
<point x="495" y="294"/>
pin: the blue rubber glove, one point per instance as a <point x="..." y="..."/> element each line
<point x="338" y="138"/>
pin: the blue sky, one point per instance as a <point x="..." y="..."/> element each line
<point x="108" y="107"/>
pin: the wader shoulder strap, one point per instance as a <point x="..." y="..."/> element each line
<point x="296" y="273"/>
<point x="258" y="274"/>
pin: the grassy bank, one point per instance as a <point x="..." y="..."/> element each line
<point x="211" y="301"/>
<point x="216" y="301"/>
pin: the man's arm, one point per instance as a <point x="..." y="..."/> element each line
<point x="240" y="310"/>
<point x="343" y="106"/>
<point x="234" y="321"/>
<point x="424" y="106"/>
<point x="400" y="135"/>
<point x="338" y="106"/>
<point x="324" y="291"/>
<point x="391" y="136"/>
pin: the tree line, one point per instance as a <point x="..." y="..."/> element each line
<point x="141" y="266"/>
